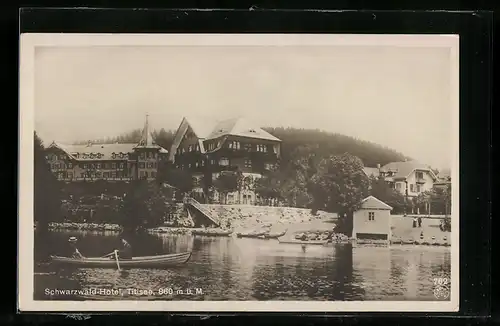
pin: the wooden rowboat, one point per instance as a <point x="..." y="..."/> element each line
<point x="135" y="262"/>
<point x="310" y="242"/>
<point x="253" y="235"/>
<point x="212" y="233"/>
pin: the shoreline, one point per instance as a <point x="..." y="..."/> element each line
<point x="292" y="229"/>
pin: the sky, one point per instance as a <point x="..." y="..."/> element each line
<point x="394" y="96"/>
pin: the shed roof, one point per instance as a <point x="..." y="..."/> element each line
<point x="371" y="202"/>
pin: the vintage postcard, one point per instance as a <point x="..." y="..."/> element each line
<point x="203" y="172"/>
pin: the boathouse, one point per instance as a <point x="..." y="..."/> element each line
<point x="372" y="220"/>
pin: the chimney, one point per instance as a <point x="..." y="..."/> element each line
<point x="378" y="166"/>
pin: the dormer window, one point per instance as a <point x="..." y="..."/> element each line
<point x="251" y="130"/>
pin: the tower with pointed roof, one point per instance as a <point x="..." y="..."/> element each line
<point x="148" y="154"/>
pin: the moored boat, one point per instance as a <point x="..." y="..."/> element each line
<point x="274" y="235"/>
<point x="136" y="262"/>
<point x="212" y="233"/>
<point x="305" y="242"/>
<point x="256" y="235"/>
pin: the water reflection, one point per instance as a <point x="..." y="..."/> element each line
<point x="249" y="269"/>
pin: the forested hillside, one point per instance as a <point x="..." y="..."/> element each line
<point x="324" y="144"/>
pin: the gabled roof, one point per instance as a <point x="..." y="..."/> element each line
<point x="371" y="202"/>
<point x="240" y="127"/>
<point x="94" y="152"/>
<point x="205" y="128"/>
<point x="201" y="126"/>
<point x="404" y="169"/>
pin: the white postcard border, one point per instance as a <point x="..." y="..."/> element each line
<point x="28" y="42"/>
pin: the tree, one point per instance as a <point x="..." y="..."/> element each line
<point x="339" y="186"/>
<point x="177" y="178"/>
<point x="227" y="182"/>
<point x="47" y="190"/>
<point x="268" y="187"/>
<point x="145" y="205"/>
<point x="163" y="138"/>
<point x="380" y="189"/>
<point x="47" y="200"/>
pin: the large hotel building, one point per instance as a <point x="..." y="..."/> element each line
<point x="114" y="162"/>
<point x="208" y="149"/>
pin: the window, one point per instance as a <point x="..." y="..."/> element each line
<point x="248" y="163"/>
<point x="234" y="144"/>
<point x="190" y="148"/>
<point x="105" y="175"/>
<point x="70" y="175"/>
<point x="153" y="174"/>
<point x="419" y="175"/>
<point x="142" y="165"/>
<point x="224" y="161"/>
<point x="189" y="165"/>
<point x="418" y="188"/>
<point x="85" y="166"/>
<point x="203" y="163"/>
<point x="268" y="166"/>
<point x="98" y="174"/>
<point x="412" y="188"/>
<point x="142" y="156"/>
<point x="98" y="165"/>
<point x="113" y="175"/>
<point x="70" y="165"/>
<point x="262" y="148"/>
<point x="212" y="162"/>
<point x="150" y="165"/>
<point x="150" y="155"/>
<point x="371" y="216"/>
<point x="197" y="147"/>
<point x="82" y="175"/>
<point x="196" y="164"/>
<point x="122" y="165"/>
<point x="146" y="174"/>
<point x="92" y="166"/>
<point x="113" y="165"/>
<point x="118" y="174"/>
<point x="398" y="185"/>
<point x="248" y="147"/>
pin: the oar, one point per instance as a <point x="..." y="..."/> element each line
<point x="108" y="255"/>
<point x="117" y="262"/>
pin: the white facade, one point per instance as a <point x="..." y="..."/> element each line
<point x="418" y="181"/>
<point x="373" y="218"/>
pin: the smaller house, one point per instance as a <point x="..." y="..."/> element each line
<point x="372" y="220"/>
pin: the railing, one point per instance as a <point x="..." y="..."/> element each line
<point x="199" y="207"/>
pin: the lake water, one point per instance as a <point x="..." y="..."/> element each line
<point x="246" y="269"/>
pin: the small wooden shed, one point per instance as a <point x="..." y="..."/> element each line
<point x="372" y="220"/>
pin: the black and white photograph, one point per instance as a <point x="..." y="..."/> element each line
<point x="212" y="172"/>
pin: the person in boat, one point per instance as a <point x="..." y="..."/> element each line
<point x="75" y="252"/>
<point x="126" y="250"/>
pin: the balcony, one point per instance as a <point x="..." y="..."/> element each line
<point x="420" y="180"/>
